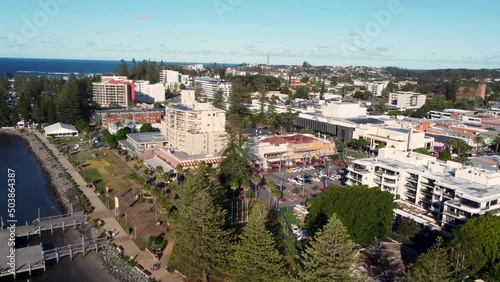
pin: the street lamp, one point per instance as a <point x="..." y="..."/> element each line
<point x="303" y="170"/>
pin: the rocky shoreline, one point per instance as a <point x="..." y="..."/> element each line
<point x="67" y="200"/>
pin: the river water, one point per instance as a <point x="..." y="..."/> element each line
<point x="33" y="196"/>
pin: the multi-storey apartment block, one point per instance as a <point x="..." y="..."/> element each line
<point x="436" y="194"/>
<point x="406" y="100"/>
<point x="210" y="86"/>
<point x="113" y="93"/>
<point x="194" y="128"/>
<point x="133" y="114"/>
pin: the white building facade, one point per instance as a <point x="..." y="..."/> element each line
<point x="439" y="195"/>
<point x="209" y="86"/>
<point x="194" y="128"/>
<point x="406" y="100"/>
<point x="401" y="139"/>
<point x="149" y="93"/>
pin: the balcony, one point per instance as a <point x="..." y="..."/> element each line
<point x="360" y="169"/>
<point x="390" y="175"/>
<point x="426" y="191"/>
<point x="410" y="194"/>
<point x="354" y="176"/>
<point x="411" y="186"/>
<point x="456" y="213"/>
<point x="461" y="206"/>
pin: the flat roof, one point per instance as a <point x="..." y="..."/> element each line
<point x="180" y="107"/>
<point x="128" y="110"/>
<point x="365" y="120"/>
<point x="147" y="137"/>
<point x="462" y="186"/>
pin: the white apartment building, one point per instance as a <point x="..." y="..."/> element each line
<point x="173" y="79"/>
<point x="440" y="195"/>
<point x="194" y="128"/>
<point x="406" y="100"/>
<point x="149" y="93"/>
<point x="343" y="110"/>
<point x="113" y="93"/>
<point x="401" y="139"/>
<point x="376" y="87"/>
<point x="210" y="86"/>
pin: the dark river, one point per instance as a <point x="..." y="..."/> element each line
<point x="32" y="195"/>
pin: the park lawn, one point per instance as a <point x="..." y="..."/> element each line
<point x="110" y="169"/>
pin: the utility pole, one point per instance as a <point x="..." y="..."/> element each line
<point x="281" y="173"/>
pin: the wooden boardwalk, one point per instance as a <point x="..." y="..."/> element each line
<point x="34" y="258"/>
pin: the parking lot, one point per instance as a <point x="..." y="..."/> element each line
<point x="311" y="188"/>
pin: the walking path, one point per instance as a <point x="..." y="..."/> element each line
<point x="110" y="223"/>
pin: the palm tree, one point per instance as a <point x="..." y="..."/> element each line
<point x="497" y="142"/>
<point x="479" y="142"/>
<point x="271" y="187"/>
<point x="257" y="180"/>
<point x="159" y="170"/>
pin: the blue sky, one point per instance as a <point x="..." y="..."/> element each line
<point x="407" y="33"/>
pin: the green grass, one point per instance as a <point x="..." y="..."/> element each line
<point x="290" y="217"/>
<point x="109" y="168"/>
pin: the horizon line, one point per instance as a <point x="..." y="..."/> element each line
<point x="130" y="60"/>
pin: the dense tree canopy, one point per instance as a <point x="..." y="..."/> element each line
<point x="202" y="243"/>
<point x="255" y="257"/>
<point x="432" y="266"/>
<point x="485" y="231"/>
<point x="366" y="212"/>
<point x="330" y="256"/>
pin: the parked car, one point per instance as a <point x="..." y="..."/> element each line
<point x="315" y="179"/>
<point x="295" y="228"/>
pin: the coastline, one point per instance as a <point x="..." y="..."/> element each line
<point x="66" y="199"/>
<point x="58" y="181"/>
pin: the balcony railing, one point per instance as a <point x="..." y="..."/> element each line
<point x="411" y="186"/>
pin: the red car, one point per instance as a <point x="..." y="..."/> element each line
<point x="323" y="189"/>
<point x="255" y="170"/>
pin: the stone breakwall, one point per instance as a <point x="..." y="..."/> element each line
<point x="110" y="258"/>
<point x="59" y="181"/>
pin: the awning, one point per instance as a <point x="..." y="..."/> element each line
<point x="299" y="163"/>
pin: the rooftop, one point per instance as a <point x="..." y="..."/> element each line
<point x="292" y="139"/>
<point x="130" y="110"/>
<point x="147" y="137"/>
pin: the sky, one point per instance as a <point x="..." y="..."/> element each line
<point x="420" y="34"/>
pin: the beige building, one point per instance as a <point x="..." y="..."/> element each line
<point x="290" y="150"/>
<point x="113" y="93"/>
<point x="194" y="128"/>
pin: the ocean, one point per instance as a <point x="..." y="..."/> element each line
<point x="63" y="67"/>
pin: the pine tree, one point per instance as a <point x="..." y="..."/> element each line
<point x="219" y="101"/>
<point x="331" y="256"/>
<point x="202" y="244"/>
<point x="255" y="258"/>
<point x="432" y="266"/>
